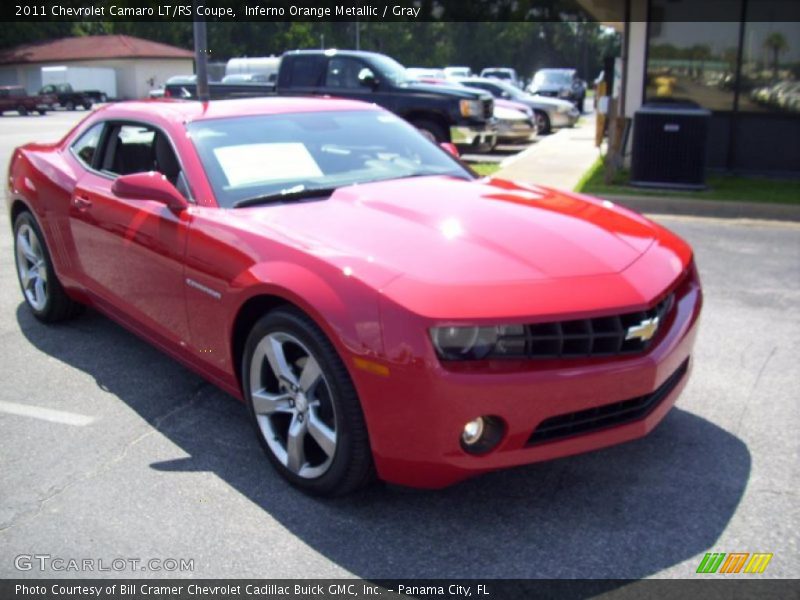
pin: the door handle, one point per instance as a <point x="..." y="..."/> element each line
<point x="81" y="202"/>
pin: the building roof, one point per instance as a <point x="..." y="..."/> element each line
<point x="91" y="47"/>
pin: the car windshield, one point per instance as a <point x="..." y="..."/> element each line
<point x="552" y="78"/>
<point x="390" y="68"/>
<point x="271" y="157"/>
<point x="498" y="74"/>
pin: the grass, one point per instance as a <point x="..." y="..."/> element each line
<point x="485" y="169"/>
<point x="720" y="188"/>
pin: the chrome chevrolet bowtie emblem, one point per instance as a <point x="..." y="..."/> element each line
<point x="643" y="331"/>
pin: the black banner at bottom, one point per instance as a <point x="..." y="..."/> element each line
<point x="708" y="588"/>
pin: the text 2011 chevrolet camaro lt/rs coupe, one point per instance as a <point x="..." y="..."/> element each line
<point x="380" y="310"/>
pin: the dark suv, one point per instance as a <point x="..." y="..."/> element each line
<point x="559" y="83"/>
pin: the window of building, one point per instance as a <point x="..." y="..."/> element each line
<point x="770" y="80"/>
<point x="695" y="61"/>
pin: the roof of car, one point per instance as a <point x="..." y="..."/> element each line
<point x="194" y="110"/>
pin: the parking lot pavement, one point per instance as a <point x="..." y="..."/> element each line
<point x="143" y="459"/>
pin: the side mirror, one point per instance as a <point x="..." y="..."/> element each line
<point x="367" y="78"/>
<point x="450" y="148"/>
<point x="149" y="186"/>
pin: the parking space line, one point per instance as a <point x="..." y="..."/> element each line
<point x="45" y="414"/>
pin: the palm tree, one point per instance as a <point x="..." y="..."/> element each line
<point x="776" y="43"/>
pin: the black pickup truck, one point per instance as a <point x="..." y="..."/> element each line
<point x="70" y="99"/>
<point x="443" y="113"/>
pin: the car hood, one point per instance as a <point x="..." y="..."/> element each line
<point x="455" y="91"/>
<point x="443" y="232"/>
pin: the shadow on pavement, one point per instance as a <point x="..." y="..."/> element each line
<point x="624" y="512"/>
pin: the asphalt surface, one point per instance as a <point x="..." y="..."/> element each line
<point x="146" y="460"/>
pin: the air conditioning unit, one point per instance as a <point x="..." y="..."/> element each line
<point x="669" y="146"/>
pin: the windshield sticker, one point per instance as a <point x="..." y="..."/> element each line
<point x="256" y="163"/>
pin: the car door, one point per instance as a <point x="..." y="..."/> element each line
<point x="131" y="252"/>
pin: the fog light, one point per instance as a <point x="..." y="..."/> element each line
<point x="483" y="434"/>
<point x="473" y="431"/>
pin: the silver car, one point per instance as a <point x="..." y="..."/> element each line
<point x="550" y="113"/>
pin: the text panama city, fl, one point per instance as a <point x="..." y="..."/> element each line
<point x="174" y="11"/>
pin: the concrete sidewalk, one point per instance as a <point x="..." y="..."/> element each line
<point x="558" y="160"/>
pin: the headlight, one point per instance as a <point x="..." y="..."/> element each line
<point x="475" y="343"/>
<point x="471" y="108"/>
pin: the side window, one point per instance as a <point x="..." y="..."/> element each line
<point x="343" y="72"/>
<point x="48" y="89"/>
<point x="305" y="71"/>
<point x="139" y="149"/>
<point x="85" y="147"/>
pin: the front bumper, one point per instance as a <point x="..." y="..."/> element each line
<point x="417" y="414"/>
<point x="478" y="138"/>
<point x="564" y="119"/>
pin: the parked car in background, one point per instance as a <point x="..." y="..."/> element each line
<point x="453" y="72"/>
<point x="504" y="74"/>
<point x="66" y="97"/>
<point x="515" y="123"/>
<point x="379" y="309"/>
<point x="16" y="98"/>
<point x="559" y="83"/>
<point x="422" y="73"/>
<point x="549" y="113"/>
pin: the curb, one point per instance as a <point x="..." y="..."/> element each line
<point x="721" y="209"/>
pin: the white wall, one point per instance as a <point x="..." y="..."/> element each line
<point x="132" y="74"/>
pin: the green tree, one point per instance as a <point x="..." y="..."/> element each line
<point x="776" y="43"/>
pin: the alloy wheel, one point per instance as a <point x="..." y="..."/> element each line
<point x="293" y="405"/>
<point x="32" y="267"/>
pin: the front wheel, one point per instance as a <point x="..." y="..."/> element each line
<point x="304" y="406"/>
<point x="87" y="105"/>
<point x="41" y="288"/>
<point x="542" y="122"/>
<point x="70" y="105"/>
<point x="433" y="131"/>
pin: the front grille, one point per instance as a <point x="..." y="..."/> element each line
<point x="609" y="415"/>
<point x="583" y="338"/>
<point x="488" y="108"/>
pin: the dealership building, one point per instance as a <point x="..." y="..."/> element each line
<point x="740" y="59"/>
<point x="140" y="65"/>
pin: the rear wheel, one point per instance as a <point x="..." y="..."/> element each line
<point x="41" y="288"/>
<point x="23" y="112"/>
<point x="431" y="130"/>
<point x="42" y="111"/>
<point x="304" y="407"/>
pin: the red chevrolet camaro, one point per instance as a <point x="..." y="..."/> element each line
<point x="380" y="309"/>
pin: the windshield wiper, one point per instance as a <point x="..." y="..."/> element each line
<point x="298" y="192"/>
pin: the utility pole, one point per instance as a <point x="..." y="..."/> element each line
<point x="358" y="35"/>
<point x="201" y="56"/>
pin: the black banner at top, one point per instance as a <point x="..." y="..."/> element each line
<point x="608" y="11"/>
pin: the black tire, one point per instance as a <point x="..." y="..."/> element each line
<point x="58" y="306"/>
<point x="350" y="467"/>
<point x="23" y="112"/>
<point x="87" y="105"/>
<point x="542" y="122"/>
<point x="431" y="130"/>
<point x="42" y="112"/>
